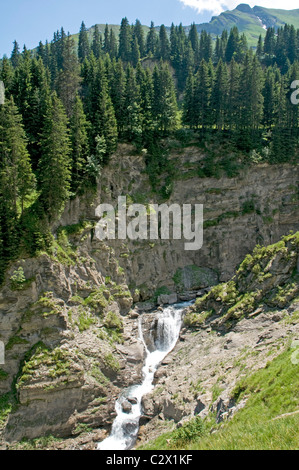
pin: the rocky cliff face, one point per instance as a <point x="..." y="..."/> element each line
<point x="237" y="328"/>
<point x="66" y="318"/>
<point x="68" y="351"/>
<point x="258" y="206"/>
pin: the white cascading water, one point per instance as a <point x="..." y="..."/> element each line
<point x="126" y="425"/>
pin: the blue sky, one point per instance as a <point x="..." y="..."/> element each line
<point x="29" y="21"/>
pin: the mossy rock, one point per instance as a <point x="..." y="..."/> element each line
<point x="194" y="277"/>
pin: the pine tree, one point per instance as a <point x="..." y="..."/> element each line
<point x="132" y="108"/>
<point x="22" y="88"/>
<point x="220" y="96"/>
<point x="280" y="49"/>
<point x="269" y="99"/>
<point x="113" y="52"/>
<point x="139" y="35"/>
<point x="251" y="87"/>
<point x="54" y="168"/>
<point x="57" y="47"/>
<point x="135" y="52"/>
<point x="110" y="42"/>
<point x="117" y="94"/>
<point x="259" y="49"/>
<point x="205" y="46"/>
<point x="47" y="55"/>
<point x="79" y="141"/>
<point x="15" y="55"/>
<point x="269" y="46"/>
<point x="37" y="108"/>
<point x="292" y="45"/>
<point x="280" y="132"/>
<point x="145" y="84"/>
<point x="97" y="42"/>
<point x="106" y="47"/>
<point x="256" y="96"/>
<point x="125" y="41"/>
<point x="7" y="73"/>
<point x="152" y="41"/>
<point x="41" y="51"/>
<point x="181" y="55"/>
<point x="164" y="45"/>
<point x="164" y="100"/>
<point x="233" y="103"/>
<point x="189" y="112"/>
<point x="83" y="47"/>
<point x="202" y="97"/>
<point x="68" y="78"/>
<point x="194" y="39"/>
<point x="17" y="179"/>
<point x="99" y="106"/>
<point x="233" y="45"/>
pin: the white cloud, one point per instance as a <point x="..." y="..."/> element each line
<point x="217" y="6"/>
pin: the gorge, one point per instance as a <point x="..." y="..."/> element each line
<point x="70" y="326"/>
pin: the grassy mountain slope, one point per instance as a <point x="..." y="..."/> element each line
<point x="251" y="21"/>
<point x="268" y="421"/>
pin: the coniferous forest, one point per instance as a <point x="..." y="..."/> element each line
<point x="67" y="106"/>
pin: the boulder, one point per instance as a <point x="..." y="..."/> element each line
<point x="169" y="299"/>
<point x="133" y="400"/>
<point x="126" y="406"/>
<point x="194" y="278"/>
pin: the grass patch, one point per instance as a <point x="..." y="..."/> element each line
<point x="57" y="362"/>
<point x="271" y="392"/>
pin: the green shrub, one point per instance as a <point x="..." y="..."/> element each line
<point x="18" y="280"/>
<point x="113" y="321"/>
<point x="193" y="429"/>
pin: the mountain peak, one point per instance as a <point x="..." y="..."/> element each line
<point x="244" y="7"/>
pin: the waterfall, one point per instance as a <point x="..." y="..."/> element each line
<point x="126" y="425"/>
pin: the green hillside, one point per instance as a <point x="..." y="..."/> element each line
<point x="251" y="21"/>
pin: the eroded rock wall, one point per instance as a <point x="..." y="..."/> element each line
<point x="69" y="331"/>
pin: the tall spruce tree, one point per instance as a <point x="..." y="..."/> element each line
<point x="79" y="140"/>
<point x="54" y="168"/>
<point x="125" y="41"/>
<point x="164" y="44"/>
<point x="164" y="100"/>
<point x="139" y="35"/>
<point x="189" y="111"/>
<point x="233" y="103"/>
<point x="96" y="46"/>
<point x="83" y="46"/>
<point x="68" y="77"/>
<point x="117" y="93"/>
<point x="17" y="179"/>
<point x="152" y="41"/>
<point x="15" y="55"/>
<point x="233" y="45"/>
<point x="202" y="97"/>
<point x="99" y="106"/>
<point x="220" y="95"/>
<point x="132" y="107"/>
